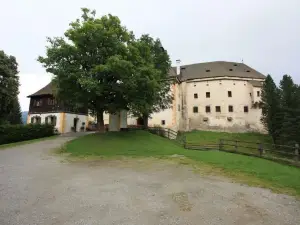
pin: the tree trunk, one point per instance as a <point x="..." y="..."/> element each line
<point x="145" y="121"/>
<point x="100" y="121"/>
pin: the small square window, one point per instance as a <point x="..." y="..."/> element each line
<point x="207" y="70"/>
<point x="250" y="94"/>
<point x="218" y="108"/>
<point x="195" y="95"/>
<point x="258" y="93"/>
<point x="230" y="69"/>
<point x="230" y="108"/>
<point x="163" y="122"/>
<point x="246" y="109"/>
<point x="207" y="94"/>
<point x="229" y="94"/>
<point x="195" y="109"/>
<point x="207" y="109"/>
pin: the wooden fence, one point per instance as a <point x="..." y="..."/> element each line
<point x="279" y="153"/>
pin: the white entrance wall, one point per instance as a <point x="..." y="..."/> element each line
<point x="69" y="121"/>
<point x="64" y="121"/>
<point x="114" y="122"/>
<point x="43" y="117"/>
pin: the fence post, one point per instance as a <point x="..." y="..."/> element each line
<point x="236" y="145"/>
<point x="221" y="145"/>
<point x="297" y="151"/>
<point x="168" y="133"/>
<point x="184" y="141"/>
<point x="260" y="149"/>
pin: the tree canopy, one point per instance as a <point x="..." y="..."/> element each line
<point x="151" y="84"/>
<point x="9" y="90"/>
<point x="100" y="65"/>
<point x="281" y="110"/>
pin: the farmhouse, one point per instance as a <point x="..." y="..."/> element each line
<point x="44" y="108"/>
<point x="213" y="96"/>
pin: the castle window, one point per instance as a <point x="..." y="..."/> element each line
<point x="207" y="109"/>
<point x="230" y="108"/>
<point x="258" y="93"/>
<point x="207" y="70"/>
<point x="229" y="94"/>
<point x="50" y="101"/>
<point x="50" y="120"/>
<point x="37" y="103"/>
<point x="207" y="94"/>
<point x="246" y="109"/>
<point x="195" y="109"/>
<point x="195" y="95"/>
<point x="163" y="122"/>
<point x="230" y="69"/>
<point x="178" y="108"/>
<point x="36" y="120"/>
<point x="218" y="108"/>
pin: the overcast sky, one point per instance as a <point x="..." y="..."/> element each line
<point x="264" y="33"/>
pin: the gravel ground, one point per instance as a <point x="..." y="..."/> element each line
<point x="40" y="188"/>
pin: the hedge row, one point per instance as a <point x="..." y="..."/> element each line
<point x="15" y="133"/>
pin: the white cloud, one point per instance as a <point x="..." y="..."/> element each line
<point x="29" y="84"/>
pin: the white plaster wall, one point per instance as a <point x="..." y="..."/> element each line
<point x="156" y="118"/>
<point x="44" y="115"/>
<point x="255" y="97"/>
<point x="218" y="89"/>
<point x="69" y="121"/>
<point x="123" y="119"/>
<point x="114" y="122"/>
<point x="106" y="118"/>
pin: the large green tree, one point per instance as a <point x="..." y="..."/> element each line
<point x="14" y="115"/>
<point x="90" y="64"/>
<point x="271" y="109"/>
<point x="151" y="92"/>
<point x="9" y="89"/>
<point x="290" y="105"/>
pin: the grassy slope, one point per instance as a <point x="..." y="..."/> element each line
<point x="10" y="145"/>
<point x="251" y="170"/>
<point x="207" y="137"/>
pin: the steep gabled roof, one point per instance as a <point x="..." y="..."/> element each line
<point x="217" y="69"/>
<point x="47" y="90"/>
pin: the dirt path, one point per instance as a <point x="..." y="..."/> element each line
<point x="39" y="188"/>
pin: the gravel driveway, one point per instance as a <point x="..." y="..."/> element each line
<point x="39" y="188"/>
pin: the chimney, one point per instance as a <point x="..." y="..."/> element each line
<point x="178" y="61"/>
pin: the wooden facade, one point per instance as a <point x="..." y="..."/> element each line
<point x="43" y="101"/>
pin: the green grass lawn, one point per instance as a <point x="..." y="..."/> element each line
<point x="247" y="142"/>
<point x="253" y="171"/>
<point x="10" y="145"/>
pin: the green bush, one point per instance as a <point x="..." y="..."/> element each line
<point x="16" y="133"/>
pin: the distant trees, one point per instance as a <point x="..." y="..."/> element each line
<point x="9" y="89"/>
<point x="281" y="110"/>
<point x="99" y="64"/>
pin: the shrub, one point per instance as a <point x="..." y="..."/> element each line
<point x="15" y="133"/>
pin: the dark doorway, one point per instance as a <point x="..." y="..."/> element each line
<point x="75" y="121"/>
<point x="140" y="121"/>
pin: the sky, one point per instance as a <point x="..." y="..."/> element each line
<point x="264" y="34"/>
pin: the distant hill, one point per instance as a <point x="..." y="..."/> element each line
<point x="24" y="117"/>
